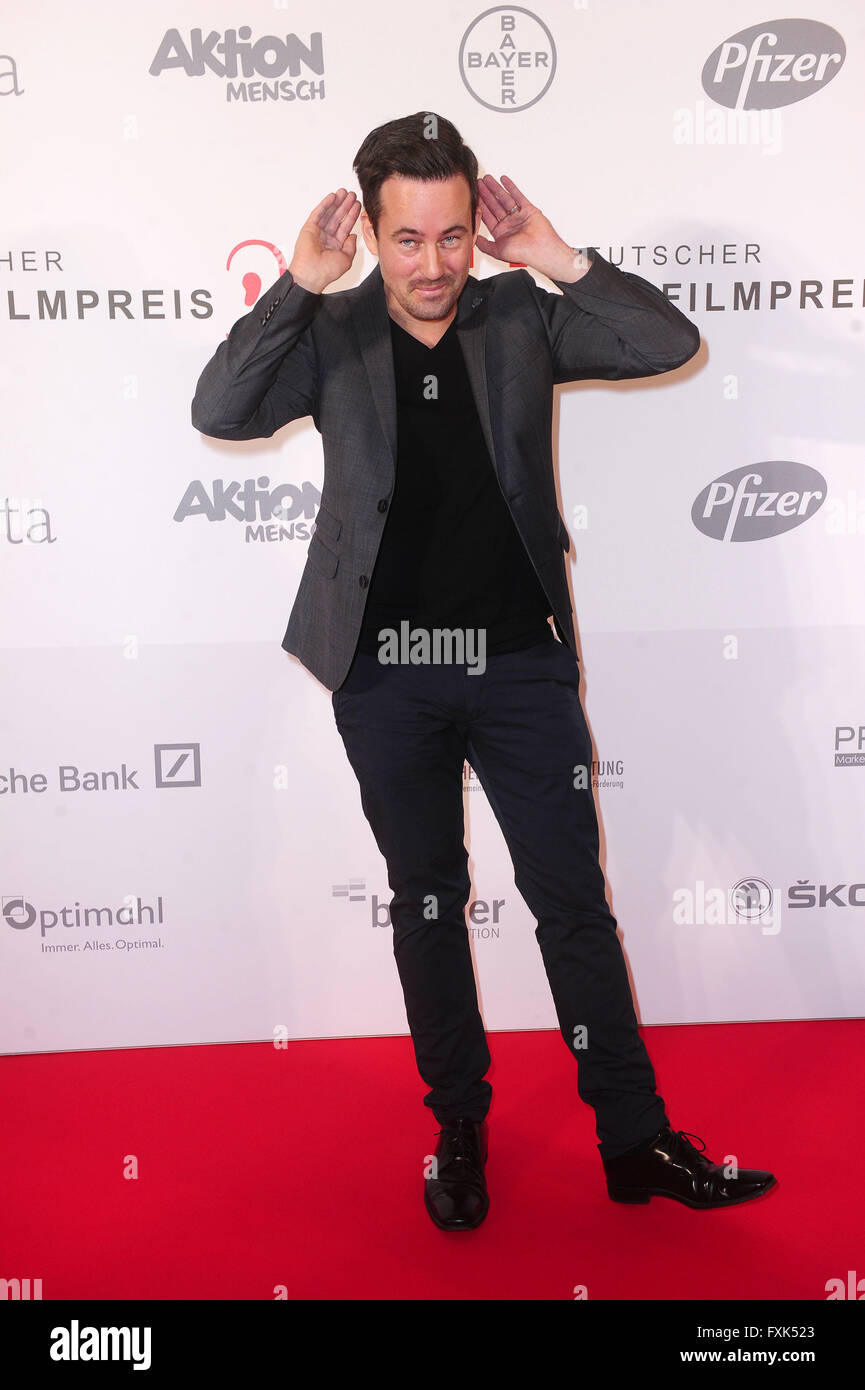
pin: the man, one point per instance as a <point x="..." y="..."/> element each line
<point x="438" y="531"/>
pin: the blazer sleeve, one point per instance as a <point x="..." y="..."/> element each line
<point x="264" y="374"/>
<point x="611" y="324"/>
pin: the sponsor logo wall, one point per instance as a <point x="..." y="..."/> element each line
<point x="183" y="853"/>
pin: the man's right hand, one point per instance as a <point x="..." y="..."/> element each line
<point x="324" y="250"/>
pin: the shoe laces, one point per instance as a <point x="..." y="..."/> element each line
<point x="684" y="1137"/>
<point x="461" y="1147"/>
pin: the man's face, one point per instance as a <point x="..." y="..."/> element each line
<point x="424" y="243"/>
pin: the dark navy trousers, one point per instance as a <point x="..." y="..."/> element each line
<point x="407" y="730"/>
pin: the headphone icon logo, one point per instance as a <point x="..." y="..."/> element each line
<point x="251" y="281"/>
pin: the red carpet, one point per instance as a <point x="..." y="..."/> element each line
<point x="303" y="1168"/>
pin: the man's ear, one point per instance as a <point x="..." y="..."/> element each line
<point x="368" y="233"/>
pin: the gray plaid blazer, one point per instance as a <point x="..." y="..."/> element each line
<point x="329" y="356"/>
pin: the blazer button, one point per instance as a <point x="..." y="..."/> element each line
<point x="363" y="581"/>
<point x="382" y="506"/>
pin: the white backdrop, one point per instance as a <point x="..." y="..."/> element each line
<point x="159" y="161"/>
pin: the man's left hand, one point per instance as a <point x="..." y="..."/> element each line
<point x="522" y="234"/>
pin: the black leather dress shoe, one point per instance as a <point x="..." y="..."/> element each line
<point x="456" y="1198"/>
<point x="670" y="1166"/>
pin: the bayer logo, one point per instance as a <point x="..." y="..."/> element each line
<point x="507" y="58"/>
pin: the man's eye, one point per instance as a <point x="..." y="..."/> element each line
<point x="409" y="241"/>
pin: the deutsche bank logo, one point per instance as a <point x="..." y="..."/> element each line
<point x="178" y="764"/>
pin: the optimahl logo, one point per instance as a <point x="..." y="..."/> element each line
<point x="760" y="500"/>
<point x="773" y="64"/>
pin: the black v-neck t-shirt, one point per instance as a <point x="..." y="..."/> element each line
<point x="450" y="554"/>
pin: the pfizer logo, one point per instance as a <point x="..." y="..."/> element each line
<point x="773" y="64"/>
<point x="507" y="58"/>
<point x="758" y="501"/>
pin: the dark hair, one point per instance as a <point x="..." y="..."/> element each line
<point x="422" y="146"/>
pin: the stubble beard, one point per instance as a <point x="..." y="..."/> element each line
<point x="429" y="307"/>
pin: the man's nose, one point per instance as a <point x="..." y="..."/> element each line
<point x="431" y="264"/>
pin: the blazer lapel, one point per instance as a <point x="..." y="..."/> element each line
<point x="372" y="322"/>
<point x="472" y="333"/>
